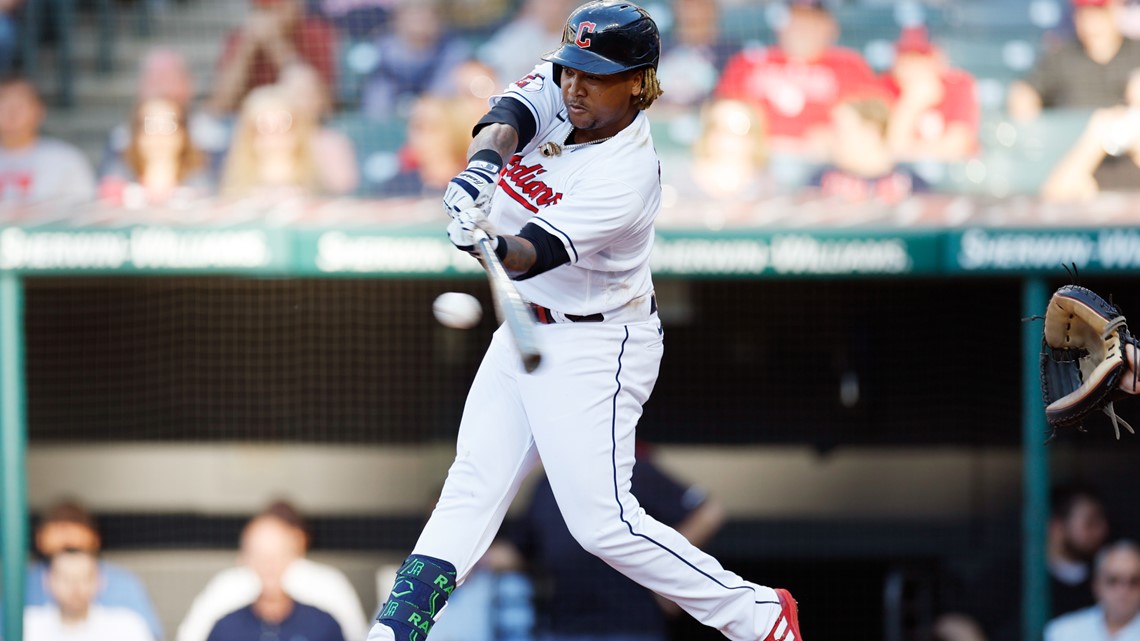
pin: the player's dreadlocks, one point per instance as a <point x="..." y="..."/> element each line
<point x="650" y="88"/>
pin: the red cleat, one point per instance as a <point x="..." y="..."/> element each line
<point x="788" y="623"/>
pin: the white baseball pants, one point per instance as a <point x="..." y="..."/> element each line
<point x="579" y="412"/>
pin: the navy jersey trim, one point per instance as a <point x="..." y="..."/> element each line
<point x="516" y="113"/>
<point x="548" y="250"/>
<point x="569" y="241"/>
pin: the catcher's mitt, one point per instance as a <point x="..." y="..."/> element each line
<point x="1082" y="358"/>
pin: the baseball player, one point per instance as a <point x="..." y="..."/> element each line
<point x="572" y="222"/>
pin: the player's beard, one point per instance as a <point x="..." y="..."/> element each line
<point x="582" y="122"/>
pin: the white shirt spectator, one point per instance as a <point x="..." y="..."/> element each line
<point x="321" y="586"/>
<point x="1088" y="625"/>
<point x="47" y="170"/>
<point x="44" y="623"/>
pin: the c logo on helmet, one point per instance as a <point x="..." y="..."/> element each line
<point x="583" y="39"/>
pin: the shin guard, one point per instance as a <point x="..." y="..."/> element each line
<point x="420" y="592"/>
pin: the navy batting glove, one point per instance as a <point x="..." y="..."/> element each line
<point x="474" y="185"/>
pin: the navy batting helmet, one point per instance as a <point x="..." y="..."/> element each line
<point x="606" y="37"/>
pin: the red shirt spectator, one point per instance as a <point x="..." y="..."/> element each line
<point x="276" y="34"/>
<point x="935" y="112"/>
<point x="798" y="81"/>
<point x="863" y="167"/>
<point x="795" y="95"/>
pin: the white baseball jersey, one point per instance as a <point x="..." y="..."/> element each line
<point x="599" y="199"/>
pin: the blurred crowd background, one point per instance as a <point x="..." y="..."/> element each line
<point x="179" y="408"/>
<point x="161" y="102"/>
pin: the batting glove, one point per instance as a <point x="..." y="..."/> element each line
<point x="474" y="186"/>
<point x="461" y="229"/>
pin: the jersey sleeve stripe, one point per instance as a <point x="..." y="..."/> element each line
<point x="569" y="241"/>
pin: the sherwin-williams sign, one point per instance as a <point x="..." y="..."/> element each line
<point x="994" y="250"/>
<point x="425" y="251"/>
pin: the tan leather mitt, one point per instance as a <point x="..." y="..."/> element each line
<point x="1082" y="358"/>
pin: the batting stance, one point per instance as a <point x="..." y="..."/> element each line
<point x="579" y="191"/>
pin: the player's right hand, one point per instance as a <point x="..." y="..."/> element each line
<point x="473" y="187"/>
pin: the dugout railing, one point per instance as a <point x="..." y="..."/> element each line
<point x="931" y="253"/>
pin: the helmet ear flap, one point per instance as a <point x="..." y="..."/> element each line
<point x="557" y="75"/>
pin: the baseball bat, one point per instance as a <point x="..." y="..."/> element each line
<point x="509" y="305"/>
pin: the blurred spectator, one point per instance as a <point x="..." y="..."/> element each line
<point x="1076" y="531"/>
<point x="935" y="113"/>
<point x="1128" y="17"/>
<point x="730" y="155"/>
<point x="1116" y="615"/>
<point x="68" y="526"/>
<point x="439" y="132"/>
<point x="160" y="165"/>
<point x="1078" y="528"/>
<point x="494" y="605"/>
<point x="33" y="168"/>
<point x="474" y="83"/>
<point x="269" y="546"/>
<point x="512" y="50"/>
<point x="355" y="18"/>
<point x="479" y="15"/>
<point x="276" y="33"/>
<point x="336" y="157"/>
<point x="1091" y="72"/>
<point x="272" y="559"/>
<point x="1107" y="155"/>
<point x="956" y="627"/>
<point x="73" y="580"/>
<point x="272" y="152"/>
<point x="416" y="58"/>
<point x="798" y="81"/>
<point x="587" y="599"/>
<point x="164" y="73"/>
<point x="694" y="54"/>
<point x="9" y="35"/>
<point x="863" y="165"/>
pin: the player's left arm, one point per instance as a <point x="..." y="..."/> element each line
<point x="529" y="253"/>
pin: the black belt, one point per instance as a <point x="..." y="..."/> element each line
<point x="545" y="317"/>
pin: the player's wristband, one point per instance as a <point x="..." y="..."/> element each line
<point x="488" y="160"/>
<point x="501" y="248"/>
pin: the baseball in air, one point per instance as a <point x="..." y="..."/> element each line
<point x="456" y="310"/>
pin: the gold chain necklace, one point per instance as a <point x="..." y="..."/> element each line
<point x="551" y="148"/>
